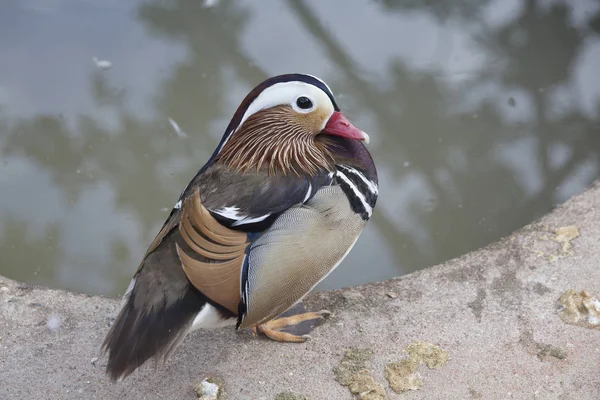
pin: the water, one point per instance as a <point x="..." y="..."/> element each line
<point x="483" y="115"/>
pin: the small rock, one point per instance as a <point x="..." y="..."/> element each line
<point x="511" y="101"/>
<point x="54" y="322"/>
<point x="391" y="295"/>
<point x="210" y="389"/>
<point x="4" y="289"/>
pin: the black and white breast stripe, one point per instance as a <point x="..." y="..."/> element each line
<point x="361" y="191"/>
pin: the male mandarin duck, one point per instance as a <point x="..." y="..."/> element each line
<point x="276" y="208"/>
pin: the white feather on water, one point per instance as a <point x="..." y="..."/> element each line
<point x="210" y="3"/>
<point x="102" y="64"/>
<point x="177" y="128"/>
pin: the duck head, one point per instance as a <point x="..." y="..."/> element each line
<point x="287" y="124"/>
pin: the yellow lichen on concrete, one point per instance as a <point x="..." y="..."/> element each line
<point x="580" y="308"/>
<point x="290" y="396"/>
<point x="366" y="387"/>
<point x="402" y="375"/>
<point x="354" y="361"/>
<point x="433" y="356"/>
<point x="563" y="236"/>
<point x="352" y="371"/>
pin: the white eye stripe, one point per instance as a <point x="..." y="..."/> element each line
<point x="286" y="93"/>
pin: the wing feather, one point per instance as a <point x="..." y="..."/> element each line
<point x="216" y="254"/>
<point x="208" y="225"/>
<point x="208" y="245"/>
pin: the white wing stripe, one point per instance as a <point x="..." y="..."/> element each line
<point x="230" y="213"/>
<point x="308" y="192"/>
<point x="248" y="220"/>
<point x="233" y="213"/>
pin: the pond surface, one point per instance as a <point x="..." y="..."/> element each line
<point x="483" y="114"/>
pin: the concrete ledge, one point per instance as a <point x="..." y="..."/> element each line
<point x="495" y="312"/>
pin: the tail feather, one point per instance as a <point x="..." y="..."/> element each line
<point x="140" y="333"/>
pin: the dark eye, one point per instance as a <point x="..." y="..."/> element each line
<point x="304" y="103"/>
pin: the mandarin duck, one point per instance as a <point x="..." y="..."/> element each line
<point x="279" y="204"/>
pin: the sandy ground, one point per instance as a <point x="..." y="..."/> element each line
<point x="488" y="325"/>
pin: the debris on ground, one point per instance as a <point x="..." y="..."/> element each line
<point x="54" y="322"/>
<point x="580" y="308"/>
<point x="548" y="350"/>
<point x="543" y="351"/>
<point x="210" y="389"/>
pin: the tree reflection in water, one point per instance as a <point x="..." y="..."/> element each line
<point x="464" y="160"/>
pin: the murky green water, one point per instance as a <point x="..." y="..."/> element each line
<point x="483" y="116"/>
